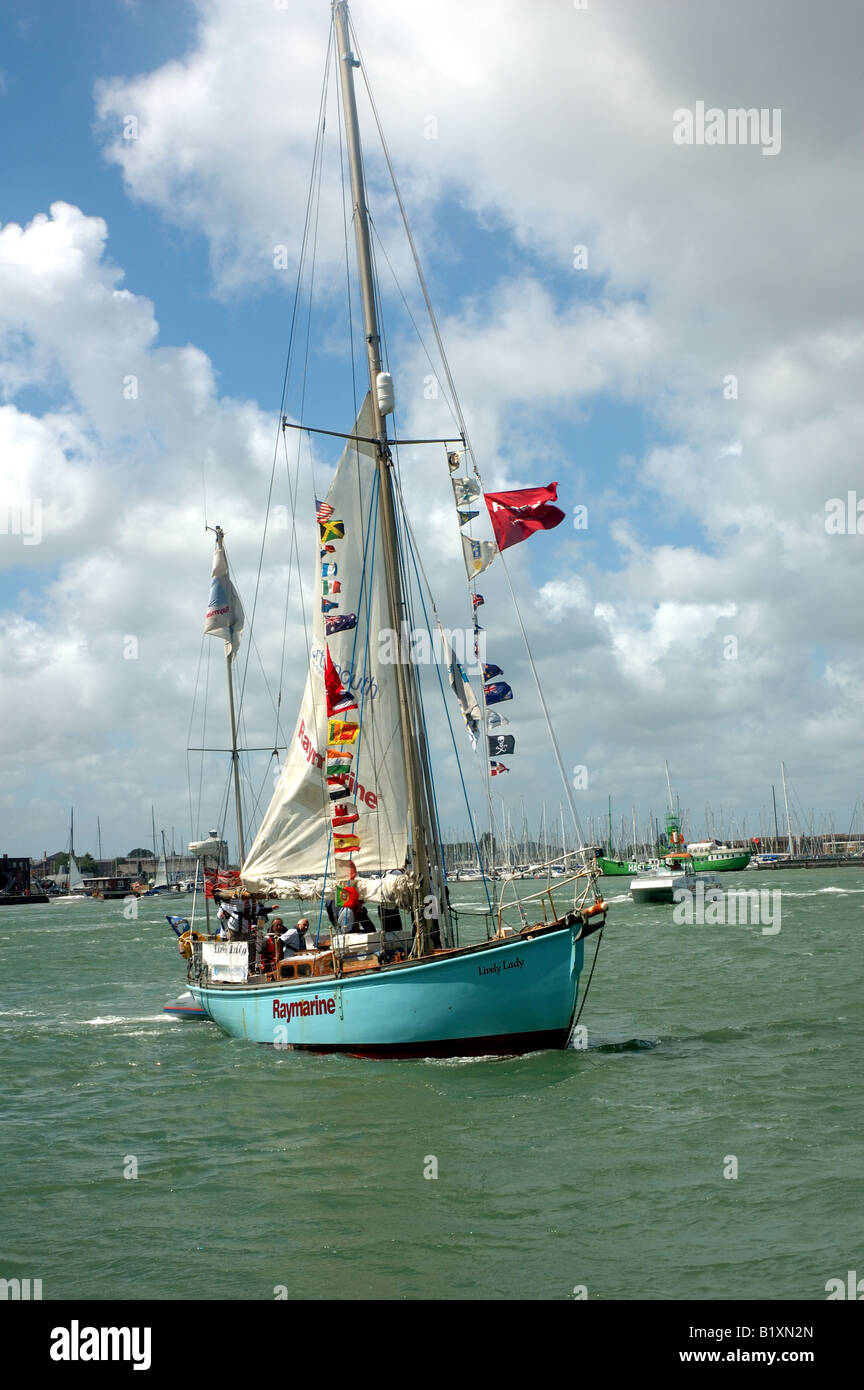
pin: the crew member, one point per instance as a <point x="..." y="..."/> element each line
<point x="268" y="952"/>
<point x="293" y="940"/>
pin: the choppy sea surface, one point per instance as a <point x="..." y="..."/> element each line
<point x="711" y="1050"/>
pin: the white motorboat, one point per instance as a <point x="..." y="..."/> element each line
<point x="662" y="884"/>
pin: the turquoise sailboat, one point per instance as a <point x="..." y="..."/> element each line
<point x="352" y="825"/>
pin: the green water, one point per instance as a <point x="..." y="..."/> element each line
<point x="600" y="1167"/>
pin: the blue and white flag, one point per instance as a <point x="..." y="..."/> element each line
<point x="465" y="490"/>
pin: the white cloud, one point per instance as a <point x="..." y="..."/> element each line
<point x="121" y="551"/>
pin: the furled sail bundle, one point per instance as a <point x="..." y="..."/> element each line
<point x="342" y="789"/>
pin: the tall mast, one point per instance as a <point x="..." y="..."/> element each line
<point x="786" y="804"/>
<point x="426" y="847"/>
<point x="235" y="756"/>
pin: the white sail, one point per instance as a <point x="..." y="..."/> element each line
<point x="296" y="836"/>
<point x="161" y="879"/>
<point x="74" y="877"/>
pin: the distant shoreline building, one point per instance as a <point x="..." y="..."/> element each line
<point x="15" y="874"/>
<point x="182" y="867"/>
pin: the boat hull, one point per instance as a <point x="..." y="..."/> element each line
<point x="701" y="863"/>
<point x="186" y="1009"/>
<point x="720" y="863"/>
<point x="516" y="996"/>
<point x="662" y="888"/>
<point x="620" y="868"/>
<point x="660" y="892"/>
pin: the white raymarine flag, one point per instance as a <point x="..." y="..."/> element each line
<point x="225" y="615"/>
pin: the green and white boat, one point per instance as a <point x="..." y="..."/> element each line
<point x="709" y="855"/>
<point x="706" y="856"/>
<point x="626" y="867"/>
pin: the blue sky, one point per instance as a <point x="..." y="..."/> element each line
<point x="706" y="516"/>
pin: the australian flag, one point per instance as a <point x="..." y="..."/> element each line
<point x="496" y="692"/>
<point x="343" y="623"/>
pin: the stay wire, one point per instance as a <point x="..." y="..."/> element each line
<point x="418" y="569"/>
<point x="316" y="161"/>
<point x="464" y="429"/>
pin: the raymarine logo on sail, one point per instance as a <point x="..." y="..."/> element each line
<point x="76" y="1343"/>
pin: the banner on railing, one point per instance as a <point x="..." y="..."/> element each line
<point x="226" y="960"/>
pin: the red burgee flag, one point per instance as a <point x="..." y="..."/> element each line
<point x="338" y="699"/>
<point x="516" y="515"/>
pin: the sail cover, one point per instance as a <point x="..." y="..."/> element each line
<point x="342" y="788"/>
